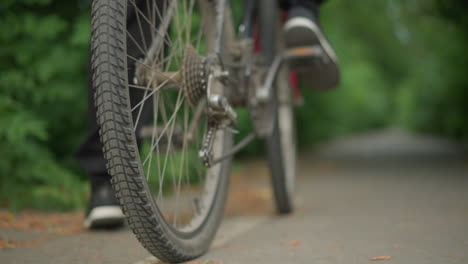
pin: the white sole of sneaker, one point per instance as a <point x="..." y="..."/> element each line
<point x="304" y="22"/>
<point x="102" y="216"/>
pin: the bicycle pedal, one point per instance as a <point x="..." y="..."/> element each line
<point x="304" y="52"/>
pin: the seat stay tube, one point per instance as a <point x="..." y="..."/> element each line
<point x="248" y="23"/>
<point x="220" y="14"/>
<point x="248" y="29"/>
<point x="225" y="36"/>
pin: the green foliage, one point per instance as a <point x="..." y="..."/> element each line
<point x="433" y="95"/>
<point x="42" y="103"/>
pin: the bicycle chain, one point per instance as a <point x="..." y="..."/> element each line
<point x="205" y="153"/>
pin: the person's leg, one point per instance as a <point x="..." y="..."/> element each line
<point x="104" y="209"/>
<point x="303" y="29"/>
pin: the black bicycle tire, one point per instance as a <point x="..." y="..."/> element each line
<point x="268" y="18"/>
<point x="109" y="66"/>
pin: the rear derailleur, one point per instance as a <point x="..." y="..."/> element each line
<point x="204" y="79"/>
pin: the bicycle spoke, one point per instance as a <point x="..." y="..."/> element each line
<point x="153" y="136"/>
<point x="142" y="35"/>
<point x="143" y="51"/>
<point x="152" y="92"/>
<point x="181" y="166"/>
<point x="153" y="26"/>
<point x="178" y="128"/>
<point x="172" y="122"/>
<point x="179" y="103"/>
<point x="138" y="61"/>
<point x="140" y="87"/>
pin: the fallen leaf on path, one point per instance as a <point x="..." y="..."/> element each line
<point x="381" y="258"/>
<point x="10" y="243"/>
<point x="13" y="243"/>
<point x="293" y="243"/>
<point x="205" y="262"/>
<point x="235" y="246"/>
<point x="96" y="256"/>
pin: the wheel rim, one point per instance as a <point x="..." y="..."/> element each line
<point x="172" y="129"/>
<point x="287" y="131"/>
<point x="287" y="140"/>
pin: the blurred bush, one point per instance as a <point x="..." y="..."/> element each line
<point x="403" y="64"/>
<point x="42" y="102"/>
<point x="432" y="96"/>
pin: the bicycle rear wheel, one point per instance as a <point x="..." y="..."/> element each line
<point x="144" y="53"/>
<point x="281" y="143"/>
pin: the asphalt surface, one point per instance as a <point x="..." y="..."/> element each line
<point x="387" y="195"/>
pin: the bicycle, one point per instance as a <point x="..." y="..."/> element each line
<point x="165" y="100"/>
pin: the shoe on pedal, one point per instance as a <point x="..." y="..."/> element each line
<point x="104" y="210"/>
<point x="302" y="30"/>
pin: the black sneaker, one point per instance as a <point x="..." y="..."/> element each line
<point x="104" y="210"/>
<point x="302" y="29"/>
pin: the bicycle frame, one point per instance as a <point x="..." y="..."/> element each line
<point x="246" y="44"/>
<point x="239" y="71"/>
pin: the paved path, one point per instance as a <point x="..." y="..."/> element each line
<point x="381" y="194"/>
